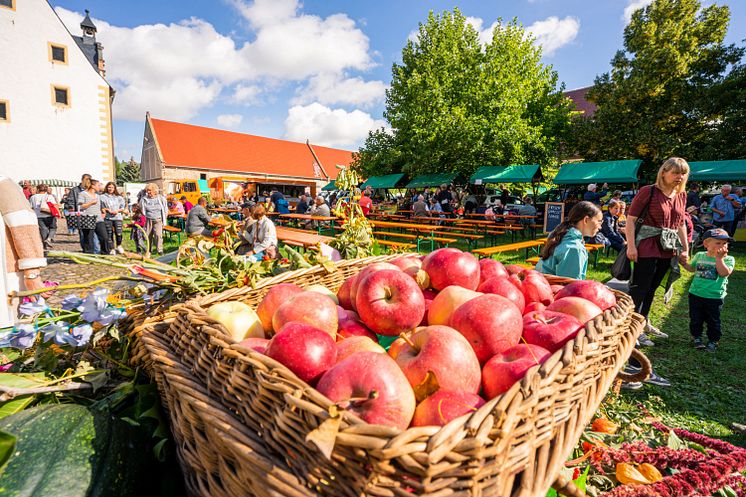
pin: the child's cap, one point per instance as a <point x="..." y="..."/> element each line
<point x="717" y="234"/>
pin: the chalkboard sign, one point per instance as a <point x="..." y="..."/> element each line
<point x="554" y="213"/>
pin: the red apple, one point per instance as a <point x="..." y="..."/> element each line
<point x="534" y="307"/>
<point x="343" y="294"/>
<point x="439" y="350"/>
<point x="444" y="406"/>
<point x="534" y="286"/>
<point x="490" y="322"/>
<point x="389" y="302"/>
<point x="408" y="263"/>
<point x="556" y="288"/>
<point x="341" y="314"/>
<point x="489" y="268"/>
<point x="352" y="316"/>
<point x="349" y="346"/>
<point x="450" y="266"/>
<point x="308" y="307"/>
<point x="372" y="386"/>
<point x="596" y="292"/>
<point x="364" y="274"/>
<point x="515" y="269"/>
<point x="446" y="302"/>
<point x="583" y="310"/>
<point x="549" y="329"/>
<point x="305" y="350"/>
<point x="500" y="285"/>
<point x="277" y="295"/>
<point x="256" y="344"/>
<point x="352" y="328"/>
<point x="503" y="370"/>
<point x="429" y="294"/>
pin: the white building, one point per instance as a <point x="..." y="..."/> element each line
<point x="55" y="105"/>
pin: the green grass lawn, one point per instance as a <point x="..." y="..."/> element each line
<point x="709" y="390"/>
<point x="170" y="243"/>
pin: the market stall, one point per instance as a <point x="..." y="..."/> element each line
<point x="583" y="173"/>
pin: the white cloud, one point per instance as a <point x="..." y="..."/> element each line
<point x="245" y="94"/>
<point x="329" y="89"/>
<point x="330" y="127"/>
<point x="229" y="120"/>
<point x="553" y="33"/>
<point x="632" y="6"/>
<point x="148" y="64"/>
<point x="179" y="99"/>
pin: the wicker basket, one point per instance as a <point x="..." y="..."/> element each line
<point x="230" y="406"/>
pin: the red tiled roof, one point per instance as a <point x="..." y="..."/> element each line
<point x="186" y="145"/>
<point x="581" y="104"/>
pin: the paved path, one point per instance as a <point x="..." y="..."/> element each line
<point x="65" y="271"/>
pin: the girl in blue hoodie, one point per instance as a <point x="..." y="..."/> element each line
<point x="565" y="254"/>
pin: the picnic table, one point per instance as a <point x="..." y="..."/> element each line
<point x="509" y="247"/>
<point x="418" y="230"/>
<point x="300" y="238"/>
<point x="308" y="217"/>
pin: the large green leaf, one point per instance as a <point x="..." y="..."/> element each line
<point x="7" y="446"/>
<point x="16" y="405"/>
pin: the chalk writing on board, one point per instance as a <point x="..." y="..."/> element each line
<point x="554" y="213"/>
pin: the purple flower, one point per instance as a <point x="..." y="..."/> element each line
<point x="71" y="302"/>
<point x="80" y="335"/>
<point x="20" y="337"/>
<point x="57" y="332"/>
<point x="31" y="308"/>
<point x="109" y="315"/>
<point x="94" y="304"/>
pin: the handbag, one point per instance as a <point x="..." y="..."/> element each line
<point x="87" y="222"/>
<point x="53" y="210"/>
<point x="621" y="269"/>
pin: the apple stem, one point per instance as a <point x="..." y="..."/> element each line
<point x="530" y="350"/>
<point x="404" y="336"/>
<point x="373" y="394"/>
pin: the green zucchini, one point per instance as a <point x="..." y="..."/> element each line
<point x="72" y="451"/>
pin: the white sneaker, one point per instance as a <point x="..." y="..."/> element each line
<point x="113" y="252"/>
<point x="654" y="332"/>
<point x="120" y="249"/>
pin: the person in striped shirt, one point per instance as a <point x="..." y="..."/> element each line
<point x="22" y="253"/>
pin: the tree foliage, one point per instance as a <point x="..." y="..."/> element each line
<point x="455" y="104"/>
<point x="128" y="171"/>
<point x="661" y="97"/>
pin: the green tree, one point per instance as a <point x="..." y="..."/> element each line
<point x="128" y="172"/>
<point x="658" y="100"/>
<point x="455" y="104"/>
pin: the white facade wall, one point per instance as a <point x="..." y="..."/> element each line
<point x="41" y="140"/>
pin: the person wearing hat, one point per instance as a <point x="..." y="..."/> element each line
<point x="707" y="292"/>
<point x="592" y="196"/>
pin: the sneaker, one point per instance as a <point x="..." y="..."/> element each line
<point x="658" y="381"/>
<point x="120" y="249"/>
<point x="632" y="385"/>
<point x="654" y="332"/>
<point x="712" y="346"/>
<point x="698" y="343"/>
<point x="630" y="369"/>
<point x="644" y="341"/>
<point x="112" y="252"/>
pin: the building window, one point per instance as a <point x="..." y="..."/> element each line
<point x="60" y="96"/>
<point x="4" y="111"/>
<point x="57" y="53"/>
<point x="8" y="4"/>
<point x="203" y="176"/>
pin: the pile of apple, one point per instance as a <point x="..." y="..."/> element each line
<point x="468" y="330"/>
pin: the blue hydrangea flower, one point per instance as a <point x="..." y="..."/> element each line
<point x="57" y="332"/>
<point x="80" y="335"/>
<point x="20" y="337"/>
<point x="71" y="303"/>
<point x="94" y="304"/>
<point x="31" y="308"/>
<point x="109" y="315"/>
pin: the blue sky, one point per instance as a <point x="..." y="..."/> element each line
<point x="310" y="70"/>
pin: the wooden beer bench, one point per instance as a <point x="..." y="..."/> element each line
<point x="509" y="247"/>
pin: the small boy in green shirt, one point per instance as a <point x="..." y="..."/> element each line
<point x="708" y="289"/>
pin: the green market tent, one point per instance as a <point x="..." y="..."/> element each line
<point x="331" y="186"/>
<point x="386" y="181"/>
<point x="427" y="180"/>
<point x="504" y="174"/>
<point x="617" y="171"/>
<point x="720" y="170"/>
<point x="54" y="182"/>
